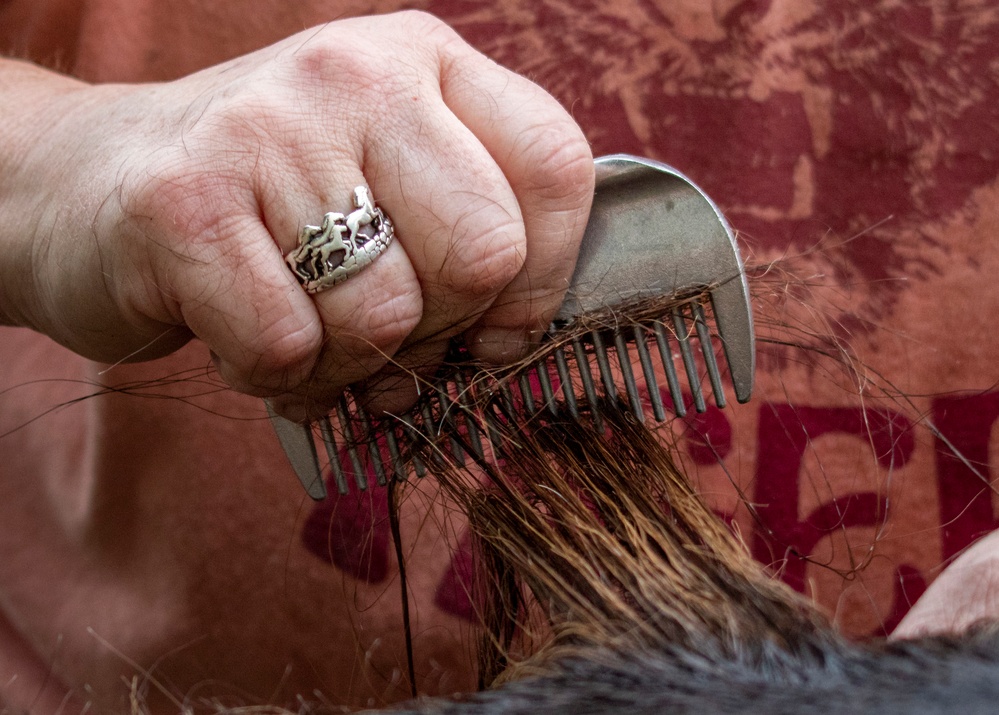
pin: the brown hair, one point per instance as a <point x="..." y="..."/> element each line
<point x="605" y="583"/>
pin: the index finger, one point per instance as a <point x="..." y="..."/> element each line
<point x="548" y="164"/>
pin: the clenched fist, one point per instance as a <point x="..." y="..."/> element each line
<point x="138" y="216"/>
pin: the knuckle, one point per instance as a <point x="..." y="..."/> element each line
<point x="342" y="57"/>
<point x="289" y="348"/>
<point x="562" y="162"/>
<point x="329" y="62"/>
<point x="390" y="321"/>
<point x="422" y="27"/>
<point x="267" y="351"/>
<point x="421" y="22"/>
<point x="370" y="83"/>
<point x="481" y="266"/>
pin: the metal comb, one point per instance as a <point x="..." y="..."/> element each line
<point x="651" y="233"/>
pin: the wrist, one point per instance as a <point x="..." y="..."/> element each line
<point x="31" y="102"/>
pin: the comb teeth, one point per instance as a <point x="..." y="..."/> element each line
<point x="651" y="233"/>
<point x="570" y="380"/>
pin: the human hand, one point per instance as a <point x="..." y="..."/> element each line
<point x="149" y="214"/>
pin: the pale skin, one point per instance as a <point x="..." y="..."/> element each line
<point x="169" y="207"/>
<point x="137" y="216"/>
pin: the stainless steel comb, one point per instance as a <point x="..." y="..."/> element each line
<point x="651" y="233"/>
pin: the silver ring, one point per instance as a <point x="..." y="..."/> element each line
<point x="330" y="254"/>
